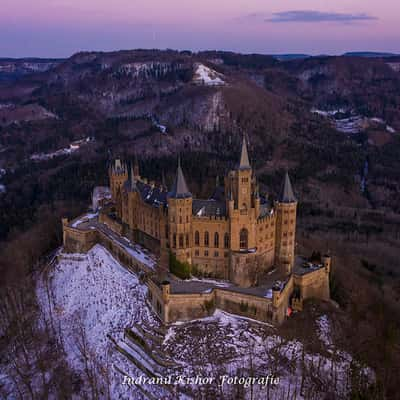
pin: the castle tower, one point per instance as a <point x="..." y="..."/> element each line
<point x="242" y="203"/>
<point x="118" y="173"/>
<point x="244" y="175"/>
<point x="285" y="208"/>
<point x="180" y="218"/>
<point x="135" y="170"/>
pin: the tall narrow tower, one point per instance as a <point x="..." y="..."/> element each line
<point x="244" y="175"/>
<point x="118" y="173"/>
<point x="285" y="207"/>
<point x="180" y="218"/>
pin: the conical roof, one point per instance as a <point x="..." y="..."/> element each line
<point x="244" y="156"/>
<point x="132" y="179"/>
<point x="179" y="188"/>
<point x="287" y="195"/>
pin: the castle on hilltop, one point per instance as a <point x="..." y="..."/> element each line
<point x="233" y="235"/>
<point x="245" y="244"/>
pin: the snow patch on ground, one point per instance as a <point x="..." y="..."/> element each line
<point x="65" y="151"/>
<point x="207" y="76"/>
<point x="84" y="218"/>
<point x="348" y="122"/>
<point x="210" y="281"/>
<point x="90" y="296"/>
<point x="324" y="330"/>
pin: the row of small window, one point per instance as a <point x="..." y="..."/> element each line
<point x="287" y="234"/>
<point x="206" y="239"/>
<point x="286" y="221"/>
<point x="182" y="239"/>
<point x="206" y="253"/>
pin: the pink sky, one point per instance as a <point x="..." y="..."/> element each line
<point x="59" y="28"/>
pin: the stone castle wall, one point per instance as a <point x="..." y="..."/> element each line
<point x="314" y="284"/>
<point x="81" y="241"/>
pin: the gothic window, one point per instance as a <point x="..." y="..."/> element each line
<point x="206" y="253"/>
<point x="216" y="239"/>
<point x="243" y="239"/>
<point x="174" y="241"/>
<point x="197" y="238"/>
<point x="180" y="240"/>
<point x="226" y="240"/>
<point x="206" y="239"/>
<point x="216" y="254"/>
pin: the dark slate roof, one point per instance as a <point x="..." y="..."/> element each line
<point x="287" y="195"/>
<point x="179" y="188"/>
<point x="208" y="208"/>
<point x="219" y="194"/>
<point x="153" y="196"/>
<point x="244" y="156"/>
<point x="150" y="195"/>
<point x="265" y="209"/>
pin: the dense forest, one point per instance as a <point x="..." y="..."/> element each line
<point x="119" y="100"/>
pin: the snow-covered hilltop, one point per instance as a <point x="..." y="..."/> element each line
<point x="94" y="300"/>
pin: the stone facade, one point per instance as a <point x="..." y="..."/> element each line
<point x="233" y="236"/>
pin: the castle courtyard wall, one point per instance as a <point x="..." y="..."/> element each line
<point x="314" y="284"/>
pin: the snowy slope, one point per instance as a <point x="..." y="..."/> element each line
<point x="94" y="294"/>
<point x="207" y="76"/>
<point x="92" y="297"/>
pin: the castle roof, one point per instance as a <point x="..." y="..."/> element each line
<point x="179" y="188"/>
<point x="208" y="208"/>
<point x="150" y="194"/>
<point x="132" y="180"/>
<point x="287" y="195"/>
<point x="244" y="156"/>
<point x="118" y="166"/>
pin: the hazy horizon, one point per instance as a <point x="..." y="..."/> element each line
<point x="60" y="28"/>
<point x="283" y="53"/>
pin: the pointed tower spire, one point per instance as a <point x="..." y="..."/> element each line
<point x="244" y="157"/>
<point x="163" y="181"/>
<point x="179" y="188"/>
<point x="133" y="182"/>
<point x="287" y="195"/>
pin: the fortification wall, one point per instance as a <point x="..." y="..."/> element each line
<point x="81" y="241"/>
<point x="111" y="223"/>
<point x="314" y="284"/>
<point x="78" y="241"/>
<point x="186" y="307"/>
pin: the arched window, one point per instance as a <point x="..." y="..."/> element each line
<point x="243" y="239"/>
<point x="206" y="239"/>
<point x="226" y="240"/>
<point x="181" y="240"/>
<point x="197" y="238"/>
<point x="216" y="239"/>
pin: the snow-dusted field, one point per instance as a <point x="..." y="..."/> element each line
<point x="91" y="298"/>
